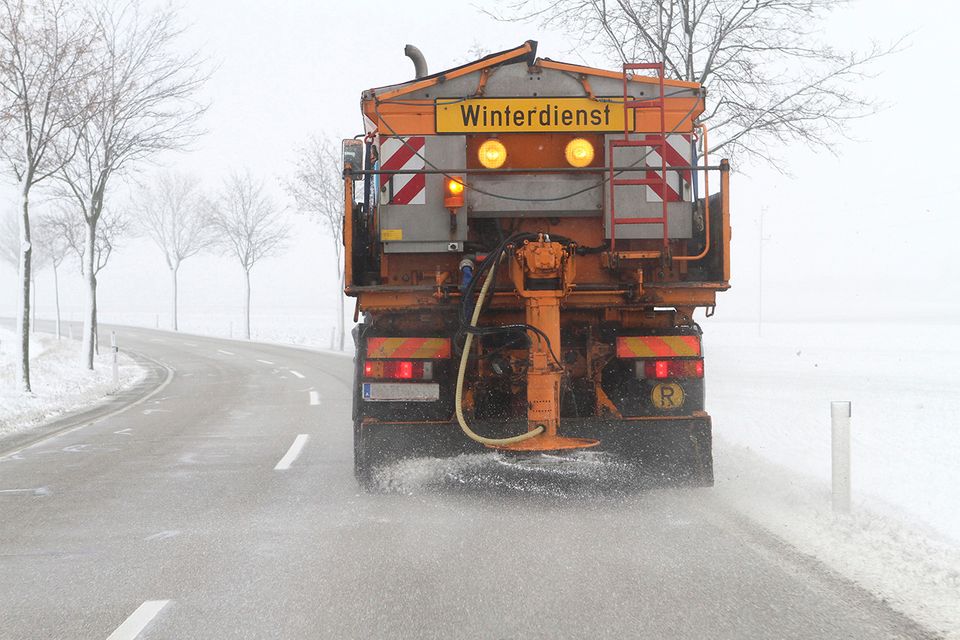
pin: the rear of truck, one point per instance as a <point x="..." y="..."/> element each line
<point x="528" y="241"/>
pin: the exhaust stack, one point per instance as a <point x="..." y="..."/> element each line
<point x="419" y="62"/>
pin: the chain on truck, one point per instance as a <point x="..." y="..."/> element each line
<point x="527" y="243"/>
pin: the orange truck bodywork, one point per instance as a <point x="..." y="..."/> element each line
<point x="587" y="333"/>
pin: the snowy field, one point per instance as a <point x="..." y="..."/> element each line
<point x="294" y="327"/>
<point x="59" y="384"/>
<point x="770" y="400"/>
<point x="771" y="395"/>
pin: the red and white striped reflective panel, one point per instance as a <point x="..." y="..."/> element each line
<point x="678" y="182"/>
<point x="404" y="154"/>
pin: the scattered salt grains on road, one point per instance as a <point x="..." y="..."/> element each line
<point x="59" y="384"/>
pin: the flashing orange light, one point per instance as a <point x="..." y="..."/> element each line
<point x="453" y="196"/>
<point x="492" y="154"/>
<point x="579" y="152"/>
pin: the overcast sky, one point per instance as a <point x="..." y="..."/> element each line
<point x="870" y="232"/>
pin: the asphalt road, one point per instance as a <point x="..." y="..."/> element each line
<point x="193" y="515"/>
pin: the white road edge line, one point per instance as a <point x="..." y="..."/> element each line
<point x="226" y="353"/>
<point x="138" y="620"/>
<point x="292" y="453"/>
<point x="314" y="398"/>
<point x="264" y="362"/>
<point x="163" y="385"/>
<point x="297" y="373"/>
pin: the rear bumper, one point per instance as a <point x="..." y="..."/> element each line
<point x="673" y="441"/>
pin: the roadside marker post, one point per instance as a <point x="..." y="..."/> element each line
<point x="116" y="366"/>
<point x="840" y="413"/>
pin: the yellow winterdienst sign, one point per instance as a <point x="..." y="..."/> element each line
<point x="526" y="115"/>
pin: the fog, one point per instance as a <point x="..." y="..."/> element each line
<point x="852" y="235"/>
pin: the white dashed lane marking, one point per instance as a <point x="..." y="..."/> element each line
<point x="162" y="535"/>
<point x="226" y="353"/>
<point x="297" y="373"/>
<point x="314" y="397"/>
<point x="36" y="491"/>
<point x="264" y="362"/>
<point x="138" y="620"/>
<point x="292" y="453"/>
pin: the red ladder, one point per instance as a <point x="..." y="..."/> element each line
<point x="656" y="141"/>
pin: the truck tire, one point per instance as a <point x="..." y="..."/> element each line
<point x="362" y="463"/>
<point x="363" y="467"/>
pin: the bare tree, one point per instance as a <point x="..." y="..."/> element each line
<point x="10" y="252"/>
<point x="55" y="248"/>
<point x="173" y="214"/>
<point x="44" y="45"/>
<point x="772" y="80"/>
<point x="71" y="229"/>
<point x="249" y="227"/>
<point x="39" y="260"/>
<point x="317" y="189"/>
<point x="144" y="93"/>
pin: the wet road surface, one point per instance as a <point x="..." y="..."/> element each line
<point x="224" y="506"/>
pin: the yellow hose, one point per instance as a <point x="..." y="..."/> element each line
<point x="463" y="367"/>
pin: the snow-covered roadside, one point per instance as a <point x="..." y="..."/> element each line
<point x="912" y="567"/>
<point x="772" y="394"/>
<point x="59" y="384"/>
<point x="315" y="330"/>
<point x="769" y="396"/>
<point x="301" y="330"/>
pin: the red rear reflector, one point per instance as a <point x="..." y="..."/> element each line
<point x="660" y="369"/>
<point x="398" y="369"/>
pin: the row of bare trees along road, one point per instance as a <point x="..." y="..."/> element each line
<point x="88" y="92"/>
<point x="91" y="92"/>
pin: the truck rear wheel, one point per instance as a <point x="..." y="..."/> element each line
<point x="363" y="468"/>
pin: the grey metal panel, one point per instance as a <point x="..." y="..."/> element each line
<point x="430" y="222"/>
<point x="515" y="80"/>
<point x="424" y="247"/>
<point x="537" y="195"/>
<point x="520" y="80"/>
<point x="632" y="200"/>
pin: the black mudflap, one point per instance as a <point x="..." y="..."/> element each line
<point x="665" y="452"/>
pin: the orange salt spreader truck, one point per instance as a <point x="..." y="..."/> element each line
<point x="528" y="241"/>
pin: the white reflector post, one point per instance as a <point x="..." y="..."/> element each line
<point x="115" y="348"/>
<point x="840" y="415"/>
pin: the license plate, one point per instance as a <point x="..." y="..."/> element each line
<point x="401" y="391"/>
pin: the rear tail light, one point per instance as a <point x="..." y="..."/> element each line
<point x="398" y="369"/>
<point x="661" y="369"/>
